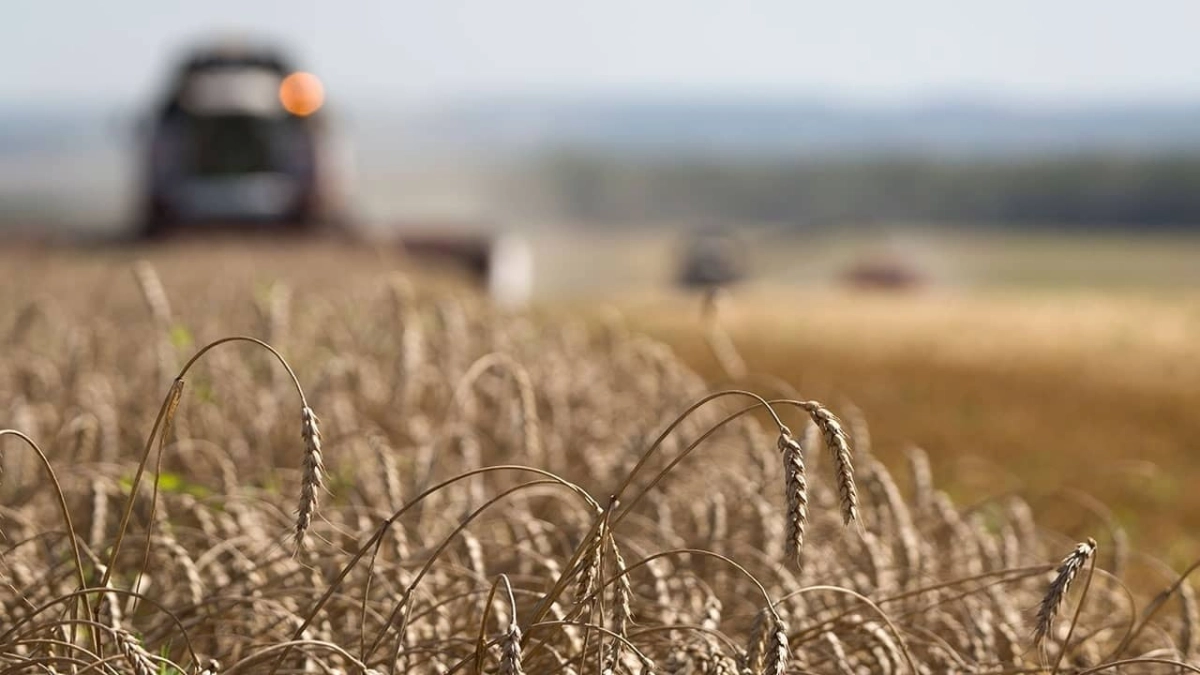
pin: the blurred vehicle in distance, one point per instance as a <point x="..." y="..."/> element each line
<point x="711" y="258"/>
<point x="241" y="137"/>
<point x="885" y="271"/>
<point x="499" y="263"/>
<point x="242" y="140"/>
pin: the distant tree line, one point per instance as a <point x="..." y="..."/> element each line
<point x="1095" y="191"/>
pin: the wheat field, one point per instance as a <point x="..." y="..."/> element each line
<point x="285" y="459"/>
<point x="1066" y="396"/>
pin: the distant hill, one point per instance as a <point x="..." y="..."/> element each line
<point x="46" y="128"/>
<point x="781" y="127"/>
<point x="637" y="159"/>
<point x="693" y="126"/>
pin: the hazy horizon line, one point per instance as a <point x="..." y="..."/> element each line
<point x="949" y="98"/>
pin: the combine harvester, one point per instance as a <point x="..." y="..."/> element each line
<point x="243" y="141"/>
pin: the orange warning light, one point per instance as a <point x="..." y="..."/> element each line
<point x="301" y="94"/>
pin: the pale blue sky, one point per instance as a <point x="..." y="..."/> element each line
<point x="1065" y="51"/>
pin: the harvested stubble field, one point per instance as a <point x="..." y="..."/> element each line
<point x="399" y="478"/>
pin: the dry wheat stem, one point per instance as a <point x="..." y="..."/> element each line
<point x="153" y="293"/>
<point x="64" y="510"/>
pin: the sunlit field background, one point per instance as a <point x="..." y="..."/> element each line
<point x="1039" y="363"/>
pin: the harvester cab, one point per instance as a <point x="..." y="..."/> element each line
<point x="241" y="137"/>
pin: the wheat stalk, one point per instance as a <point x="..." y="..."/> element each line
<point x="1190" y="621"/>
<point x="153" y="293"/>
<point x="840" y="658"/>
<point x="133" y="652"/>
<point x="838" y="445"/>
<point x="623" y="607"/>
<point x="796" y="492"/>
<point x="510" y="645"/>
<point x="755" y="659"/>
<point x="1057" y="592"/>
<point x="778" y="652"/>
<point x="312" y="481"/>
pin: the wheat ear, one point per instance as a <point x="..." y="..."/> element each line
<point x="778" y="652"/>
<point x="314" y="471"/>
<point x="510" y="647"/>
<point x="754" y="661"/>
<point x="796" y="490"/>
<point x="839" y="449"/>
<point x="1057" y="592"/>
<point x="133" y="652"/>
